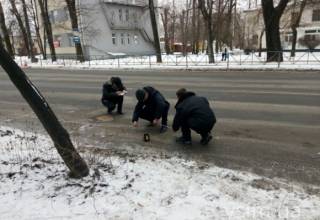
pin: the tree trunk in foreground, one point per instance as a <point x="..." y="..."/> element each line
<point x="37" y="102"/>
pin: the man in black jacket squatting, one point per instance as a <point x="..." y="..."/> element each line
<point x="151" y="106"/>
<point x="193" y="112"/>
<point x="112" y="95"/>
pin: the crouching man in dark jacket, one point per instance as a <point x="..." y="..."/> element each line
<point x="193" y="112"/>
<point x="112" y="94"/>
<point x="151" y="106"/>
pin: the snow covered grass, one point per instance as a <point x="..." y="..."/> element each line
<point x="34" y="185"/>
<point x="237" y="60"/>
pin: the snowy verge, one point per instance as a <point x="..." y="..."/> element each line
<point x="34" y="185"/>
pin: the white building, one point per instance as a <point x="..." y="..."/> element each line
<point x="107" y="28"/>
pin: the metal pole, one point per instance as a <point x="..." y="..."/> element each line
<point x="187" y="61"/>
<point x="228" y="63"/>
<point x="150" y="61"/>
<point x="308" y="57"/>
<point x="118" y="62"/>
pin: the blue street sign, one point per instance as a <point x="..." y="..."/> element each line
<point x="76" y="39"/>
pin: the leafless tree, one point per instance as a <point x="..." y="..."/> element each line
<point x="206" y="7"/>
<point x="43" y="6"/>
<point x="28" y="29"/>
<point x="154" y="25"/>
<point x="272" y="16"/>
<point x="32" y="9"/>
<point x="22" y="29"/>
<point x="295" y="21"/>
<point x="71" y="4"/>
<point x="5" y="31"/>
<point x="165" y="21"/>
<point x="41" y="108"/>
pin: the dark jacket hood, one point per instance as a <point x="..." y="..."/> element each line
<point x="184" y="96"/>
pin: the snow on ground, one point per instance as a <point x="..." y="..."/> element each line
<point x="34" y="185"/>
<point x="237" y="60"/>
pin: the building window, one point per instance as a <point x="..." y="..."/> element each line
<point x="114" y="39"/>
<point x="135" y="39"/>
<point x="112" y="17"/>
<point x="310" y="31"/>
<point x="120" y="14"/>
<point x="127" y="14"/>
<point x="122" y="39"/>
<point x="128" y="38"/>
<point x="316" y="15"/>
<point x="135" y="20"/>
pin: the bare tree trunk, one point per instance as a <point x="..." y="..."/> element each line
<point x="173" y="27"/>
<point x="182" y="30"/>
<point x="5" y="32"/>
<point x="155" y="31"/>
<point x="75" y="26"/>
<point x="1" y="43"/>
<point x="197" y="49"/>
<point x="207" y="15"/>
<point x="260" y="42"/>
<point x="295" y="21"/>
<point x="41" y="108"/>
<point x="186" y="30"/>
<point x="229" y="32"/>
<point x="36" y="24"/>
<point x="43" y="5"/>
<point x="194" y="26"/>
<point x="14" y="10"/>
<point x="218" y="26"/>
<point x="165" y="21"/>
<point x="29" y="36"/>
<point x="272" y="17"/>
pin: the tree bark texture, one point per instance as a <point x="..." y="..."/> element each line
<point x="27" y="26"/>
<point x="295" y="21"/>
<point x="5" y="32"/>
<point x="271" y="16"/>
<point x="75" y="26"/>
<point x="20" y="24"/>
<point x="37" y="102"/>
<point x="207" y="15"/>
<point x="43" y="5"/>
<point x="156" y="40"/>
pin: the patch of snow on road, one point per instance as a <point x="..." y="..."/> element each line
<point x="34" y="185"/>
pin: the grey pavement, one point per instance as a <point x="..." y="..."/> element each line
<point x="268" y="121"/>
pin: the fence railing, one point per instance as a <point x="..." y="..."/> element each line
<point x="234" y="59"/>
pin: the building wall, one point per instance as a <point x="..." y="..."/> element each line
<point x="116" y="29"/>
<point x="102" y="33"/>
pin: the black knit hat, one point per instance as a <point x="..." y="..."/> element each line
<point x="140" y="94"/>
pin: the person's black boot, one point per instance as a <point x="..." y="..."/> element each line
<point x="163" y="128"/>
<point x="205" y="139"/>
<point x="184" y="141"/>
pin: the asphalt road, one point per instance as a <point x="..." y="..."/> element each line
<point x="268" y="121"/>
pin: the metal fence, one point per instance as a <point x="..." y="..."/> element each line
<point x="235" y="59"/>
